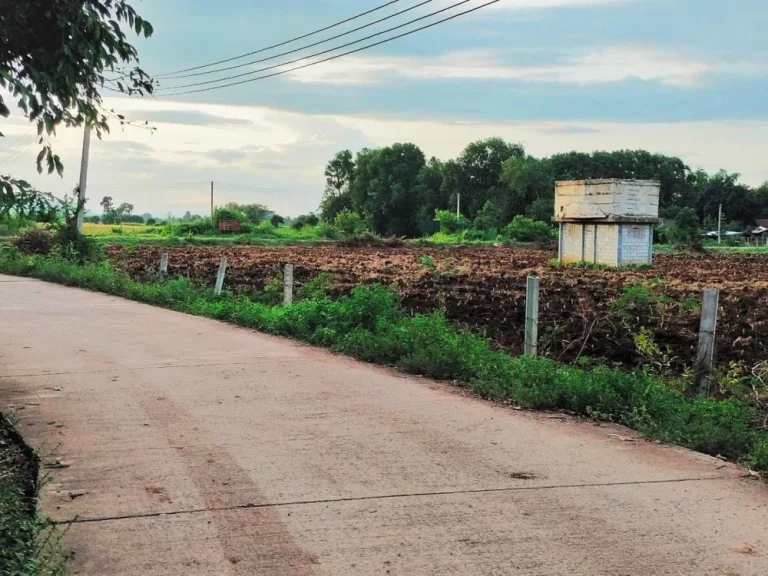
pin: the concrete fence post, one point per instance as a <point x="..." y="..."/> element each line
<point x="164" y="264"/>
<point x="532" y="316"/>
<point x="220" y="276"/>
<point x="705" y="355"/>
<point x="288" y="285"/>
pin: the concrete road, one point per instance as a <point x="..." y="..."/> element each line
<point x="193" y="447"/>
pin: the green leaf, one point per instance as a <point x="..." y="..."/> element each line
<point x="148" y="29"/>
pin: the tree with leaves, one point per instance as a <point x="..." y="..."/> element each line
<point x="761" y="197"/>
<point x="254" y="213"/>
<point x="479" y="172"/>
<point x="430" y="190"/>
<point x="531" y="184"/>
<point x="339" y="174"/>
<point x="26" y="203"/>
<point x="57" y="57"/>
<point x="489" y="218"/>
<point x="340" y="171"/>
<point x="384" y="191"/>
<point x="124" y="210"/>
<point x="738" y="201"/>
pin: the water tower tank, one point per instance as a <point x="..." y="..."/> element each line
<point x="607" y="221"/>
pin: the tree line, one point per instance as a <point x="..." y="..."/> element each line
<point x="396" y="190"/>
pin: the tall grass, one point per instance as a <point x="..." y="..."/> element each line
<point x="29" y="541"/>
<point x="371" y="325"/>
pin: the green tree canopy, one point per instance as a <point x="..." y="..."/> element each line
<point x="385" y="190"/>
<point x="530" y="181"/>
<point x="738" y="201"/>
<point x="339" y="172"/>
<point x="56" y="57"/>
<point x="254" y="213"/>
<point x="677" y="182"/>
<point x="430" y="190"/>
<point x="479" y="172"/>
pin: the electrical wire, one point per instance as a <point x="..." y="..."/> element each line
<point x="236" y="66"/>
<point x="226" y="60"/>
<point x="14" y="154"/>
<point x="280" y="65"/>
<point x="261" y="189"/>
<point x="368" y="46"/>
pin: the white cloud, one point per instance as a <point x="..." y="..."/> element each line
<point x="257" y="154"/>
<point x="603" y="65"/>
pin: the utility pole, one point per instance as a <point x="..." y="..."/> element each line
<point x="83" y="176"/>
<point x="212" y="202"/>
<point x="719" y="222"/>
<point x="458" y="205"/>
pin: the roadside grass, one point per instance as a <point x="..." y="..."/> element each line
<point x="29" y="542"/>
<point x="371" y="325"/>
<point x="164" y="235"/>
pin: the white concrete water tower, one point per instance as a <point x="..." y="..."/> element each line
<point x="607" y="221"/>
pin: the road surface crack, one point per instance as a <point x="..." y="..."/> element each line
<point x="78" y="520"/>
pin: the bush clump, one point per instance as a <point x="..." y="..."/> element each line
<point x="29" y="542"/>
<point x="523" y="229"/>
<point x="450" y="223"/>
<point x="310" y="219"/>
<point x="349" y="223"/>
<point x="34" y="241"/>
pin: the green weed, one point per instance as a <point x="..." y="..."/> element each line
<point x="30" y="543"/>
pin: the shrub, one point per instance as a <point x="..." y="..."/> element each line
<point x="489" y="217"/>
<point x="30" y="544"/>
<point x="310" y="219"/>
<point x="319" y="287"/>
<point x="34" y="241"/>
<point x="686" y="229"/>
<point x="523" y="229"/>
<point x="541" y="209"/>
<point x="201" y="227"/>
<point x="151" y="222"/>
<point x="450" y="223"/>
<point x="277" y="220"/>
<point x="480" y="235"/>
<point x="71" y="245"/>
<point x="325" y="230"/>
<point x="349" y="223"/>
<point x="227" y="213"/>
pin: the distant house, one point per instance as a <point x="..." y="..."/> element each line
<point x="763" y="223"/>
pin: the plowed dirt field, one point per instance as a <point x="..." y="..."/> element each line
<point x="484" y="287"/>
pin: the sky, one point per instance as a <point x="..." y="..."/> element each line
<point x="682" y="77"/>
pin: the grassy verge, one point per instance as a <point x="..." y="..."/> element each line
<point x="264" y="234"/>
<point x="29" y="542"/>
<point x="370" y="325"/>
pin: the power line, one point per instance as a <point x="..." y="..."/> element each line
<point x="14" y="154"/>
<point x="366" y="47"/>
<point x="236" y="66"/>
<point x="350" y="19"/>
<point x="280" y="65"/>
<point x="259" y="189"/>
